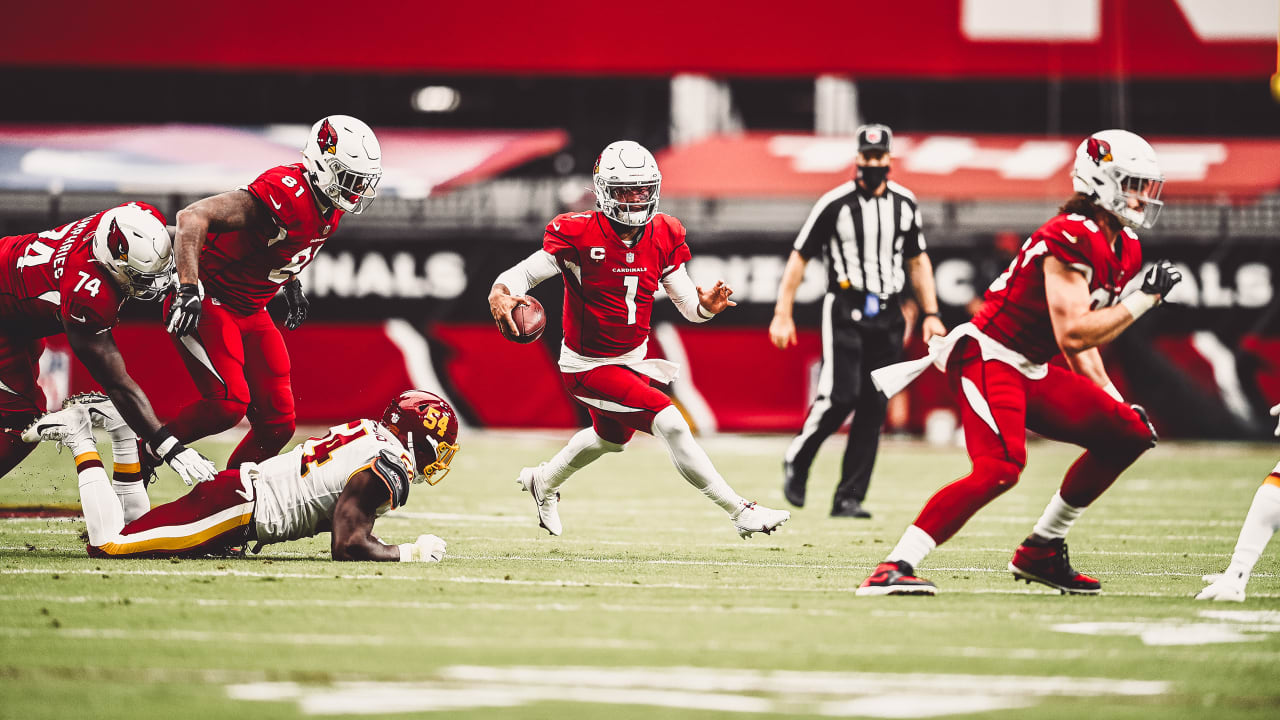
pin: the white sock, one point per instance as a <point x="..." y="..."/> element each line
<point x="1260" y="524"/>
<point x="913" y="547"/>
<point x="124" y="451"/>
<point x="1057" y="519"/>
<point x="582" y="449"/>
<point x="133" y="499"/>
<point x="102" y="512"/>
<point x="692" y="461"/>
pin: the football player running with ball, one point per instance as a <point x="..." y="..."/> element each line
<point x="340" y="483"/>
<point x="613" y="260"/>
<point x="244" y="246"/>
<point x="74" y="280"/>
<point x="1061" y="294"/>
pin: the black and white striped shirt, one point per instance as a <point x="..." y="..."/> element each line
<point x="863" y="240"/>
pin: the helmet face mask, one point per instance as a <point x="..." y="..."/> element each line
<point x="345" y="162"/>
<point x="627" y="183"/>
<point x="428" y="428"/>
<point x="135" y="248"/>
<point x="1119" y="171"/>
<point x="1139" y="200"/>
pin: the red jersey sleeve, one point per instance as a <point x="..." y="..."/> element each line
<point x="282" y="190"/>
<point x="1069" y="238"/>
<point x="560" y="234"/>
<point x="678" y="250"/>
<point x="89" y="297"/>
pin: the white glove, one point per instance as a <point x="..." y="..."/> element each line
<point x="1223" y="589"/>
<point x="428" y="548"/>
<point x="1275" y="412"/>
<point x="190" y="465"/>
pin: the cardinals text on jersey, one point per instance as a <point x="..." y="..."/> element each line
<point x="1017" y="312"/>
<point x="608" y="286"/>
<point x="244" y="269"/>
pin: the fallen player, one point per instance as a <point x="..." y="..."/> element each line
<point x="339" y="483"/>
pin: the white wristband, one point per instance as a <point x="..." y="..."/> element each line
<point x="407" y="551"/>
<point x="1111" y="390"/>
<point x="1138" y="303"/>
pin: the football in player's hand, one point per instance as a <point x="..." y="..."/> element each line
<point x="530" y="320"/>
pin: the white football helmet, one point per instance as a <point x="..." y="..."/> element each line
<point x="345" y="161"/>
<point x="626" y="182"/>
<point x="1119" y="170"/>
<point x="135" y="248"/>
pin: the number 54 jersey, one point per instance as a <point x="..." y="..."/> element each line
<point x="608" y="286"/>
<point x="244" y="269"/>
<point x="297" y="491"/>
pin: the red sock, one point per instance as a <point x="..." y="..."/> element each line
<point x="1090" y="475"/>
<point x="206" y="417"/>
<point x="265" y="440"/>
<point x="952" y="506"/>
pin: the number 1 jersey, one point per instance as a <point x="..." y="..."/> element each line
<point x="244" y="269"/>
<point x="608" y="286"/>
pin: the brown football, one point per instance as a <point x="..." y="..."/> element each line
<point x="530" y="320"/>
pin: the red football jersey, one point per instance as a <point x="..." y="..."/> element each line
<point x="609" y="287"/>
<point x="1017" y="312"/>
<point x="52" y="277"/>
<point x="244" y="269"/>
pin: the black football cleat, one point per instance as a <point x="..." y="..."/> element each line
<point x="850" y="509"/>
<point x="895" y="578"/>
<point x="793" y="485"/>
<point x="1049" y="565"/>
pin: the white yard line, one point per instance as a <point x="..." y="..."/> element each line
<point x="186" y="601"/>
<point x="736" y="645"/>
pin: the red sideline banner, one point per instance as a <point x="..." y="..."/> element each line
<point x="945" y="38"/>
<point x="347" y="370"/>
<point x="953" y="167"/>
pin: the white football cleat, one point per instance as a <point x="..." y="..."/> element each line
<point x="548" y="513"/>
<point x="102" y="414"/>
<point x="1224" y="589"/>
<point x="70" y="427"/>
<point x="753" y="518"/>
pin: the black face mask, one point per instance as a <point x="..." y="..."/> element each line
<point x="872" y="176"/>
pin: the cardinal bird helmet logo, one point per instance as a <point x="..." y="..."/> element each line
<point x="1099" y="150"/>
<point x="117" y="243"/>
<point x="327" y="139"/>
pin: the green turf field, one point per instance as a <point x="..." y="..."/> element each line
<point x="650" y="605"/>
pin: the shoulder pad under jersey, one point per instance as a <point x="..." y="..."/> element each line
<point x="571" y="225"/>
<point x="393" y="472"/>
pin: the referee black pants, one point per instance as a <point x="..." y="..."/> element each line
<point x="852" y="346"/>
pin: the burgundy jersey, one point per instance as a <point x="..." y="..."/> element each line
<point x="609" y="287"/>
<point x="244" y="269"/>
<point x="1017" y="312"/>
<point x="50" y="278"/>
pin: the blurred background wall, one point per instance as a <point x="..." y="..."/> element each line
<point x="491" y="115"/>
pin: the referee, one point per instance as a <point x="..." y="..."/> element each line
<point x="866" y="230"/>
